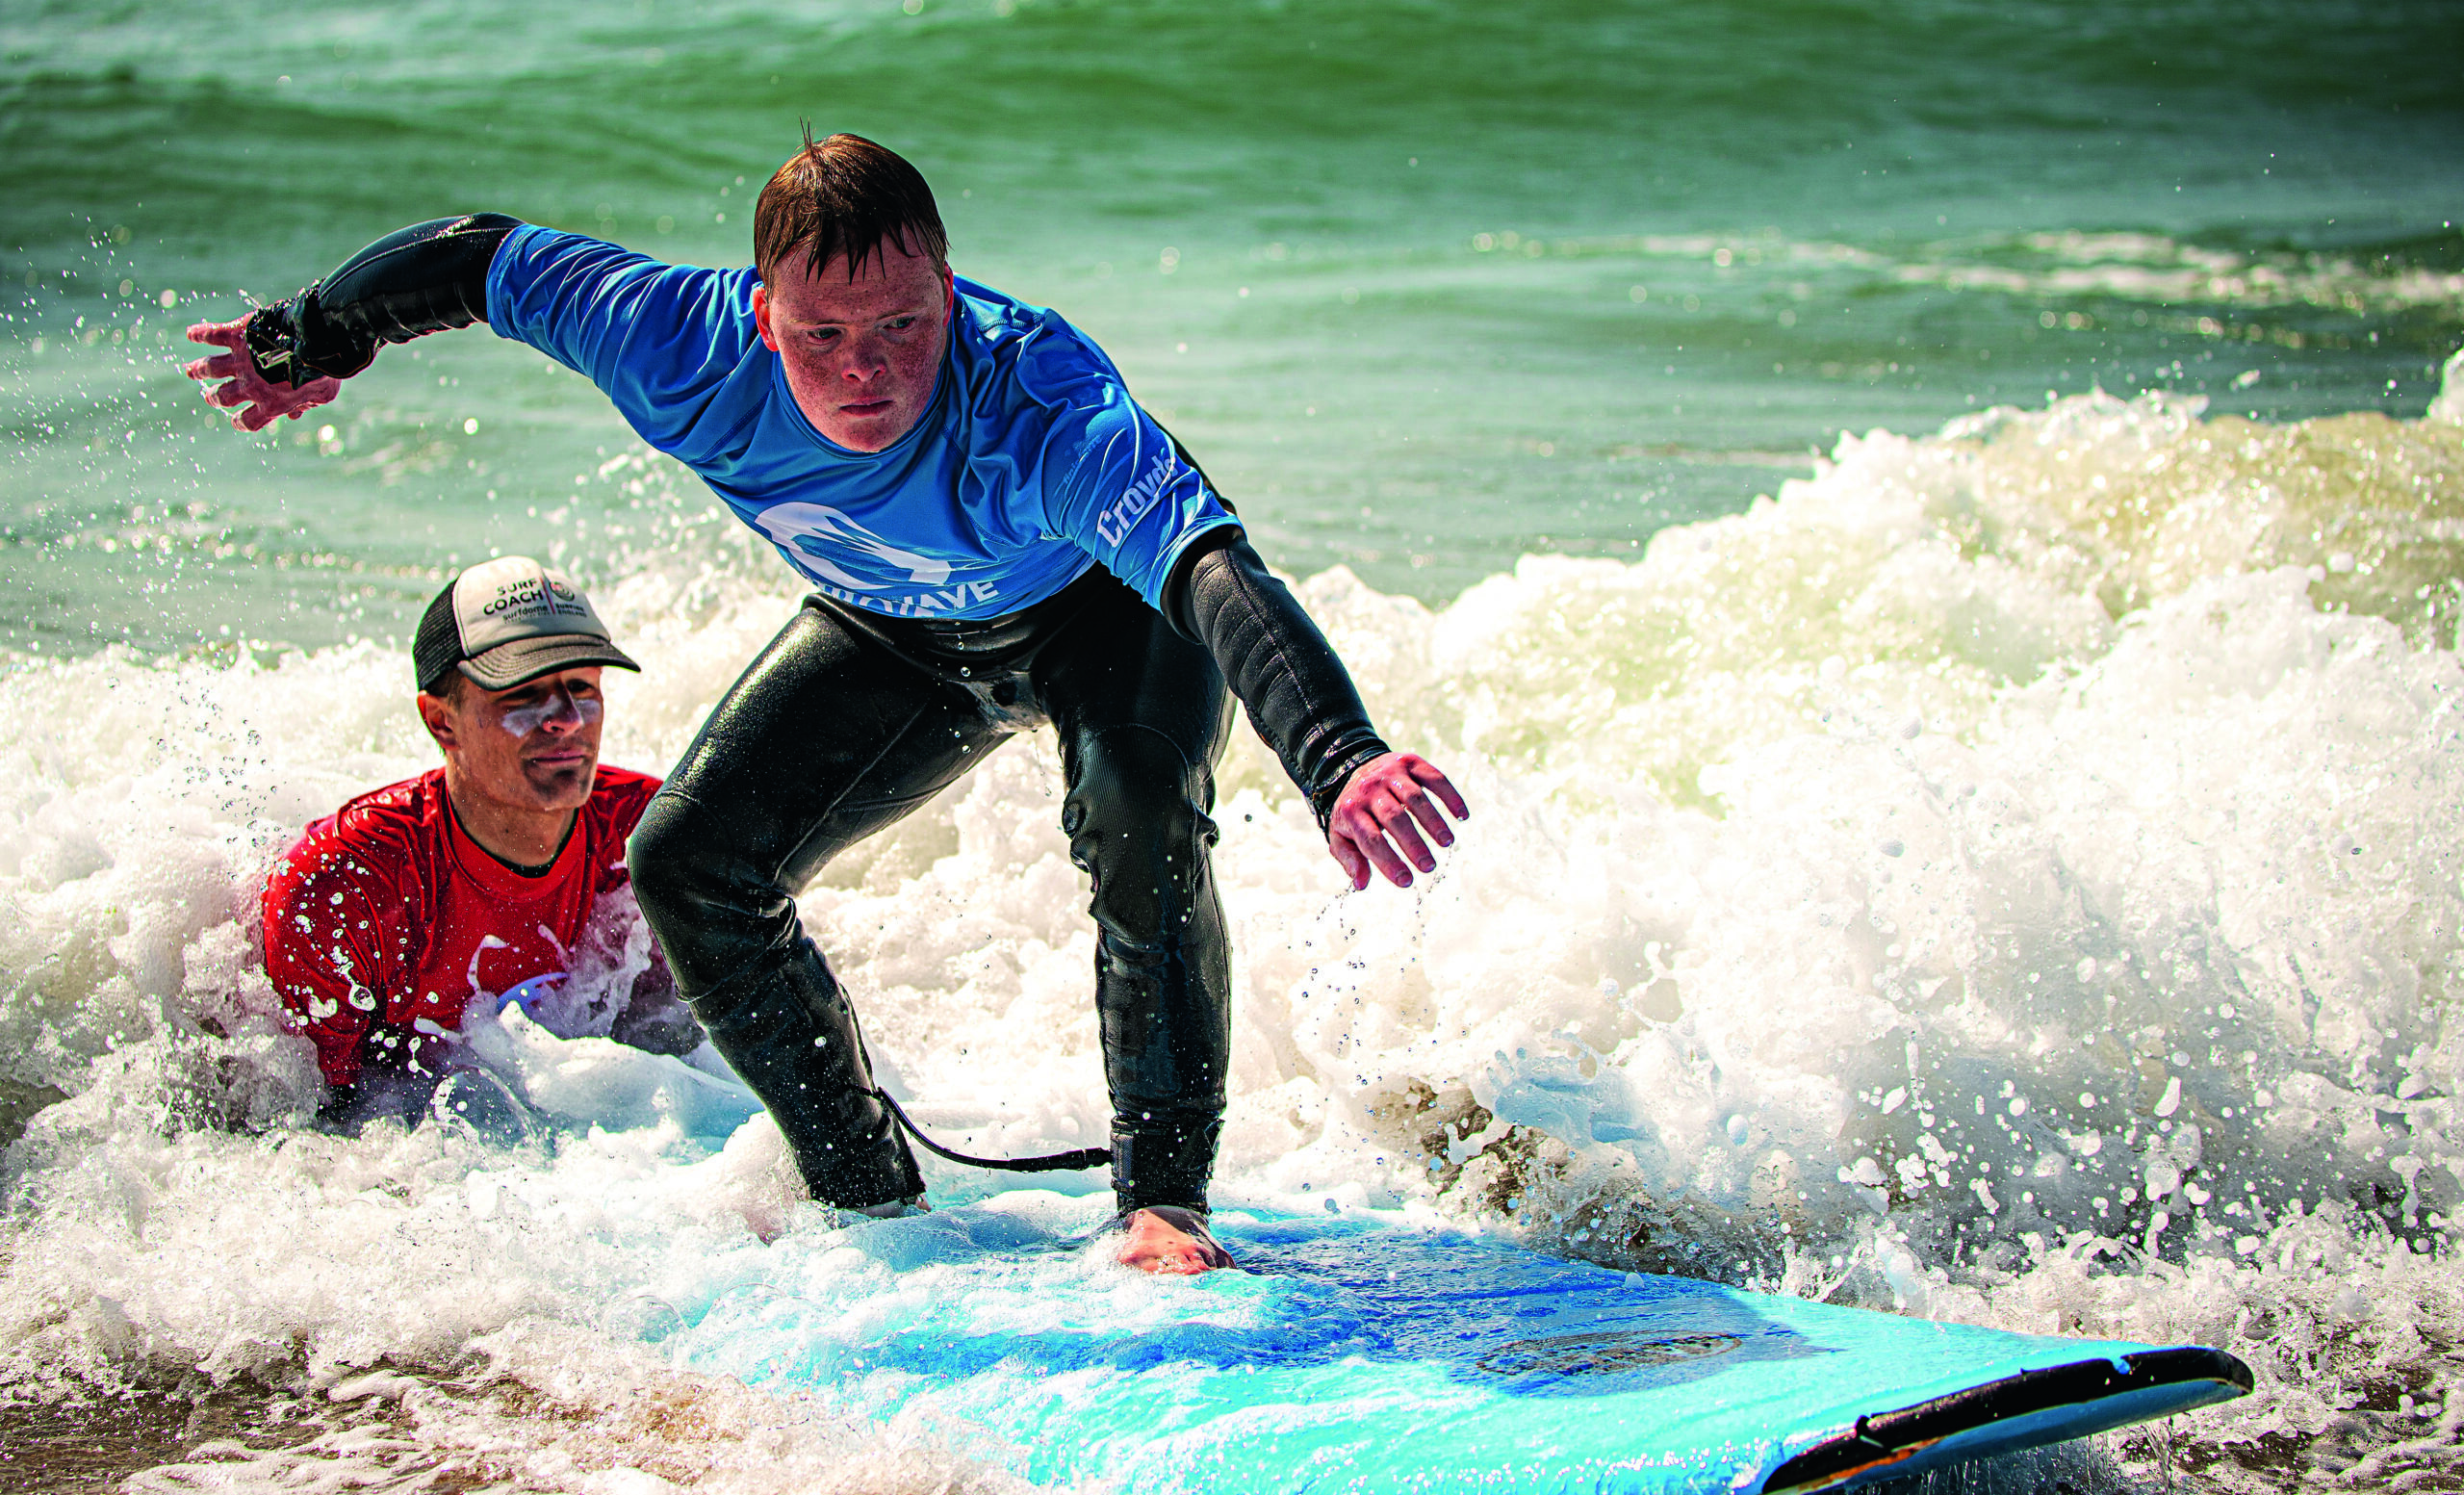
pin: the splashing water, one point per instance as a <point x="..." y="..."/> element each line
<point x="2008" y="876"/>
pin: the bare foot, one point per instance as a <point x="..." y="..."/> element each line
<point x="1169" y="1240"/>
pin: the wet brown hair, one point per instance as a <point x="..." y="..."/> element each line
<point x="844" y="195"/>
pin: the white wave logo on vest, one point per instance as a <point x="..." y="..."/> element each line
<point x="802" y="531"/>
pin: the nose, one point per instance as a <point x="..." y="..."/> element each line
<point x="562" y="713"/>
<point x="866" y="360"/>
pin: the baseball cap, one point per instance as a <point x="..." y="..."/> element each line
<point x="507" y="621"/>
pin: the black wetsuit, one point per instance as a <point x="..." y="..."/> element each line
<point x="849" y="720"/>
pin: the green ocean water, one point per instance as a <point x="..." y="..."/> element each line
<point x="1426" y="286"/>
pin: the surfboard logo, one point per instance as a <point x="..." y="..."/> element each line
<point x="808" y="531"/>
<point x="1594" y="1354"/>
<point x="526" y="995"/>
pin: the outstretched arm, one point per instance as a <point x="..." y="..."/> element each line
<point x="1372" y="801"/>
<point x="291" y="356"/>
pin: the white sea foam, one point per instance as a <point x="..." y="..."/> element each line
<point x="2153" y="270"/>
<point x="2161" y="271"/>
<point x="2008" y="876"/>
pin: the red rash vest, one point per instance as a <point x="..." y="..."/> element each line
<point x="385" y="917"/>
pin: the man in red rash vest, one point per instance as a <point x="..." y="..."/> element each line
<point x="476" y="880"/>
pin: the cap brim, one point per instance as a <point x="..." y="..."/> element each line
<point x="508" y="665"/>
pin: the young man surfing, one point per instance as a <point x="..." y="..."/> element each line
<point x="1000" y="537"/>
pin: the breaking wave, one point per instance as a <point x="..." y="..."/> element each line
<point x="2010" y="875"/>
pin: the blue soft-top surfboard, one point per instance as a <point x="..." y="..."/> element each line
<point x="1360" y="1354"/>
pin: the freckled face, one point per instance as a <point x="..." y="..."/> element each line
<point x="861" y="355"/>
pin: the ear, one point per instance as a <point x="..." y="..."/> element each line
<point x="437" y="716"/>
<point x="761" y="316"/>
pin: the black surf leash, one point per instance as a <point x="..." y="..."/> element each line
<point x="1050" y="1163"/>
<point x="1186" y="1219"/>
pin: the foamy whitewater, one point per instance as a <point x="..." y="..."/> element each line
<point x="2012" y="876"/>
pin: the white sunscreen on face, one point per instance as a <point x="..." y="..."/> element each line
<point x="524" y="720"/>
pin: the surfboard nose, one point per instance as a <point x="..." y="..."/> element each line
<point x="2027" y="1410"/>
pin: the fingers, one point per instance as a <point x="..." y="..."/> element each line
<point x="227" y="334"/>
<point x="268" y="401"/>
<point x="295" y="397"/>
<point x="263" y="412"/>
<point x="241" y="385"/>
<point x="1348" y="856"/>
<point x="1427" y="773"/>
<point x="1385" y="817"/>
<point x="1396" y="822"/>
<point x="1429" y="819"/>
<point x="239" y="382"/>
<point x="221" y="366"/>
<point x="1369" y="841"/>
<point x="270" y="409"/>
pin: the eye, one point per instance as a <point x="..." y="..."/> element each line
<point x="900" y="324"/>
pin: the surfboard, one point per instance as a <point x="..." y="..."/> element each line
<point x="1360" y="1352"/>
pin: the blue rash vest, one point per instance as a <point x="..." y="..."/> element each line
<point x="1030" y="464"/>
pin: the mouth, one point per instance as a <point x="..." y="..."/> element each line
<point x="860" y="408"/>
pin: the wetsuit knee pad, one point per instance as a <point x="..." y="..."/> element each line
<point x="711" y="915"/>
<point x="659" y="857"/>
<point x="1136" y="815"/>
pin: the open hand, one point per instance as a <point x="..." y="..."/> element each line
<point x="1389" y="797"/>
<point x="245" y="385"/>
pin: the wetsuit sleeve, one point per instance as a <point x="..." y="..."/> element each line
<point x="664" y="341"/>
<point x="429" y="278"/>
<point x="1127" y="496"/>
<point x="1297" y="693"/>
<point x="330" y="928"/>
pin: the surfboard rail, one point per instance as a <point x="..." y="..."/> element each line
<point x="2026" y="1410"/>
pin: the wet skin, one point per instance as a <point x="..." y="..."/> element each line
<point x="257" y="401"/>
<point x="1152" y="1243"/>
<point x="862" y="350"/>
<point x="1390" y="796"/>
<point x="519" y="764"/>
